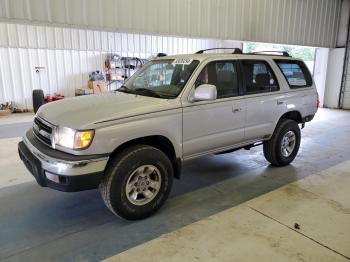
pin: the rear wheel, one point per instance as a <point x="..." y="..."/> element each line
<point x="284" y="144"/>
<point x="137" y="182"/>
<point x="38" y="99"/>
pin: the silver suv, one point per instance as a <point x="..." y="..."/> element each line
<point x="131" y="143"/>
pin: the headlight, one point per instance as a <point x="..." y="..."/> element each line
<point x="73" y="139"/>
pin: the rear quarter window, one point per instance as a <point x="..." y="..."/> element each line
<point x="295" y="72"/>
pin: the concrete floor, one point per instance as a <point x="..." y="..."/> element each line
<point x="15" y="125"/>
<point x="264" y="227"/>
<point x="42" y="224"/>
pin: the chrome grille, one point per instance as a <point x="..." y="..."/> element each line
<point x="42" y="130"/>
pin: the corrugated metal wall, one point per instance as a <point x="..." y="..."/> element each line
<point x="345" y="89"/>
<point x="299" y="22"/>
<point x="69" y="54"/>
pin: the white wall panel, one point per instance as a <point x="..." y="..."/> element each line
<point x="334" y="77"/>
<point x="69" y="55"/>
<point x="320" y="72"/>
<point x="345" y="88"/>
<point x="299" y="22"/>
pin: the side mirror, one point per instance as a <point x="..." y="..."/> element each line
<point x="204" y="92"/>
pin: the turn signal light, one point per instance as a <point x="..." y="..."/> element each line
<point x="83" y="139"/>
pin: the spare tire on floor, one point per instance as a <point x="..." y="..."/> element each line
<point x="38" y="99"/>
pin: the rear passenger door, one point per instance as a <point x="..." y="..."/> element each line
<point x="260" y="88"/>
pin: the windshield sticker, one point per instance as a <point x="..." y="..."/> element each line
<point x="182" y="61"/>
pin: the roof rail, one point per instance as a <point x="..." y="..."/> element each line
<point x="235" y="50"/>
<point x="284" y="53"/>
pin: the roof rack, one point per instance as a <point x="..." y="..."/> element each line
<point x="284" y="53"/>
<point x="239" y="51"/>
<point x="235" y="50"/>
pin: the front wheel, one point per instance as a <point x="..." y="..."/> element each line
<point x="284" y="144"/>
<point x="137" y="182"/>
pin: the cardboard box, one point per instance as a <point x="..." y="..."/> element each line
<point x="98" y="86"/>
<point x="79" y="92"/>
<point x="5" y="112"/>
<point x="88" y="91"/>
<point x="83" y="91"/>
<point x="114" y="77"/>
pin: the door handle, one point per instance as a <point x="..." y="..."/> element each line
<point x="280" y="102"/>
<point x="236" y="110"/>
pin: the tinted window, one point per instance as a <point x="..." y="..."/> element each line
<point x="295" y="72"/>
<point x="222" y="74"/>
<point x="258" y="77"/>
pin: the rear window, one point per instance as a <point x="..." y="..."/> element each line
<point x="295" y="72"/>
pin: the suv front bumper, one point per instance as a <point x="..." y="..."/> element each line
<point x="59" y="170"/>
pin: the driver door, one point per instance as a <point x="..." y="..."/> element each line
<point x="209" y="126"/>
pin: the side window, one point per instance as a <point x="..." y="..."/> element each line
<point x="258" y="77"/>
<point x="222" y="74"/>
<point x="295" y="72"/>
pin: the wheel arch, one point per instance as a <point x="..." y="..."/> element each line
<point x="292" y="115"/>
<point x="158" y="141"/>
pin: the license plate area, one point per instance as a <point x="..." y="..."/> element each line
<point x="32" y="163"/>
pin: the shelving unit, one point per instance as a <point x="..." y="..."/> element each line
<point x="119" y="68"/>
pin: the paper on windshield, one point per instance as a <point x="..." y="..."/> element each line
<point x="182" y="61"/>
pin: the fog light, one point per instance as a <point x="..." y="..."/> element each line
<point x="52" y="177"/>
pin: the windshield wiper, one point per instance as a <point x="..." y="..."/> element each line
<point x="169" y="96"/>
<point x="143" y="91"/>
<point x="147" y="91"/>
<point x="124" y="89"/>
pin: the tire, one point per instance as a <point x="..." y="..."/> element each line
<point x="38" y="99"/>
<point x="121" y="175"/>
<point x="280" y="152"/>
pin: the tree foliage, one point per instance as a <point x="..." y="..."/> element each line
<point x="304" y="53"/>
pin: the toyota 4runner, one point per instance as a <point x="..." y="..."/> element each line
<point x="131" y="143"/>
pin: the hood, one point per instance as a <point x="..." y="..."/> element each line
<point x="84" y="111"/>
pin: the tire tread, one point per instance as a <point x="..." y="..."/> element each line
<point x="270" y="147"/>
<point x="118" y="160"/>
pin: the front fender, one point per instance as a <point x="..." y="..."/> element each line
<point x="168" y="124"/>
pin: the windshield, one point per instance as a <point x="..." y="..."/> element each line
<point x="162" y="78"/>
